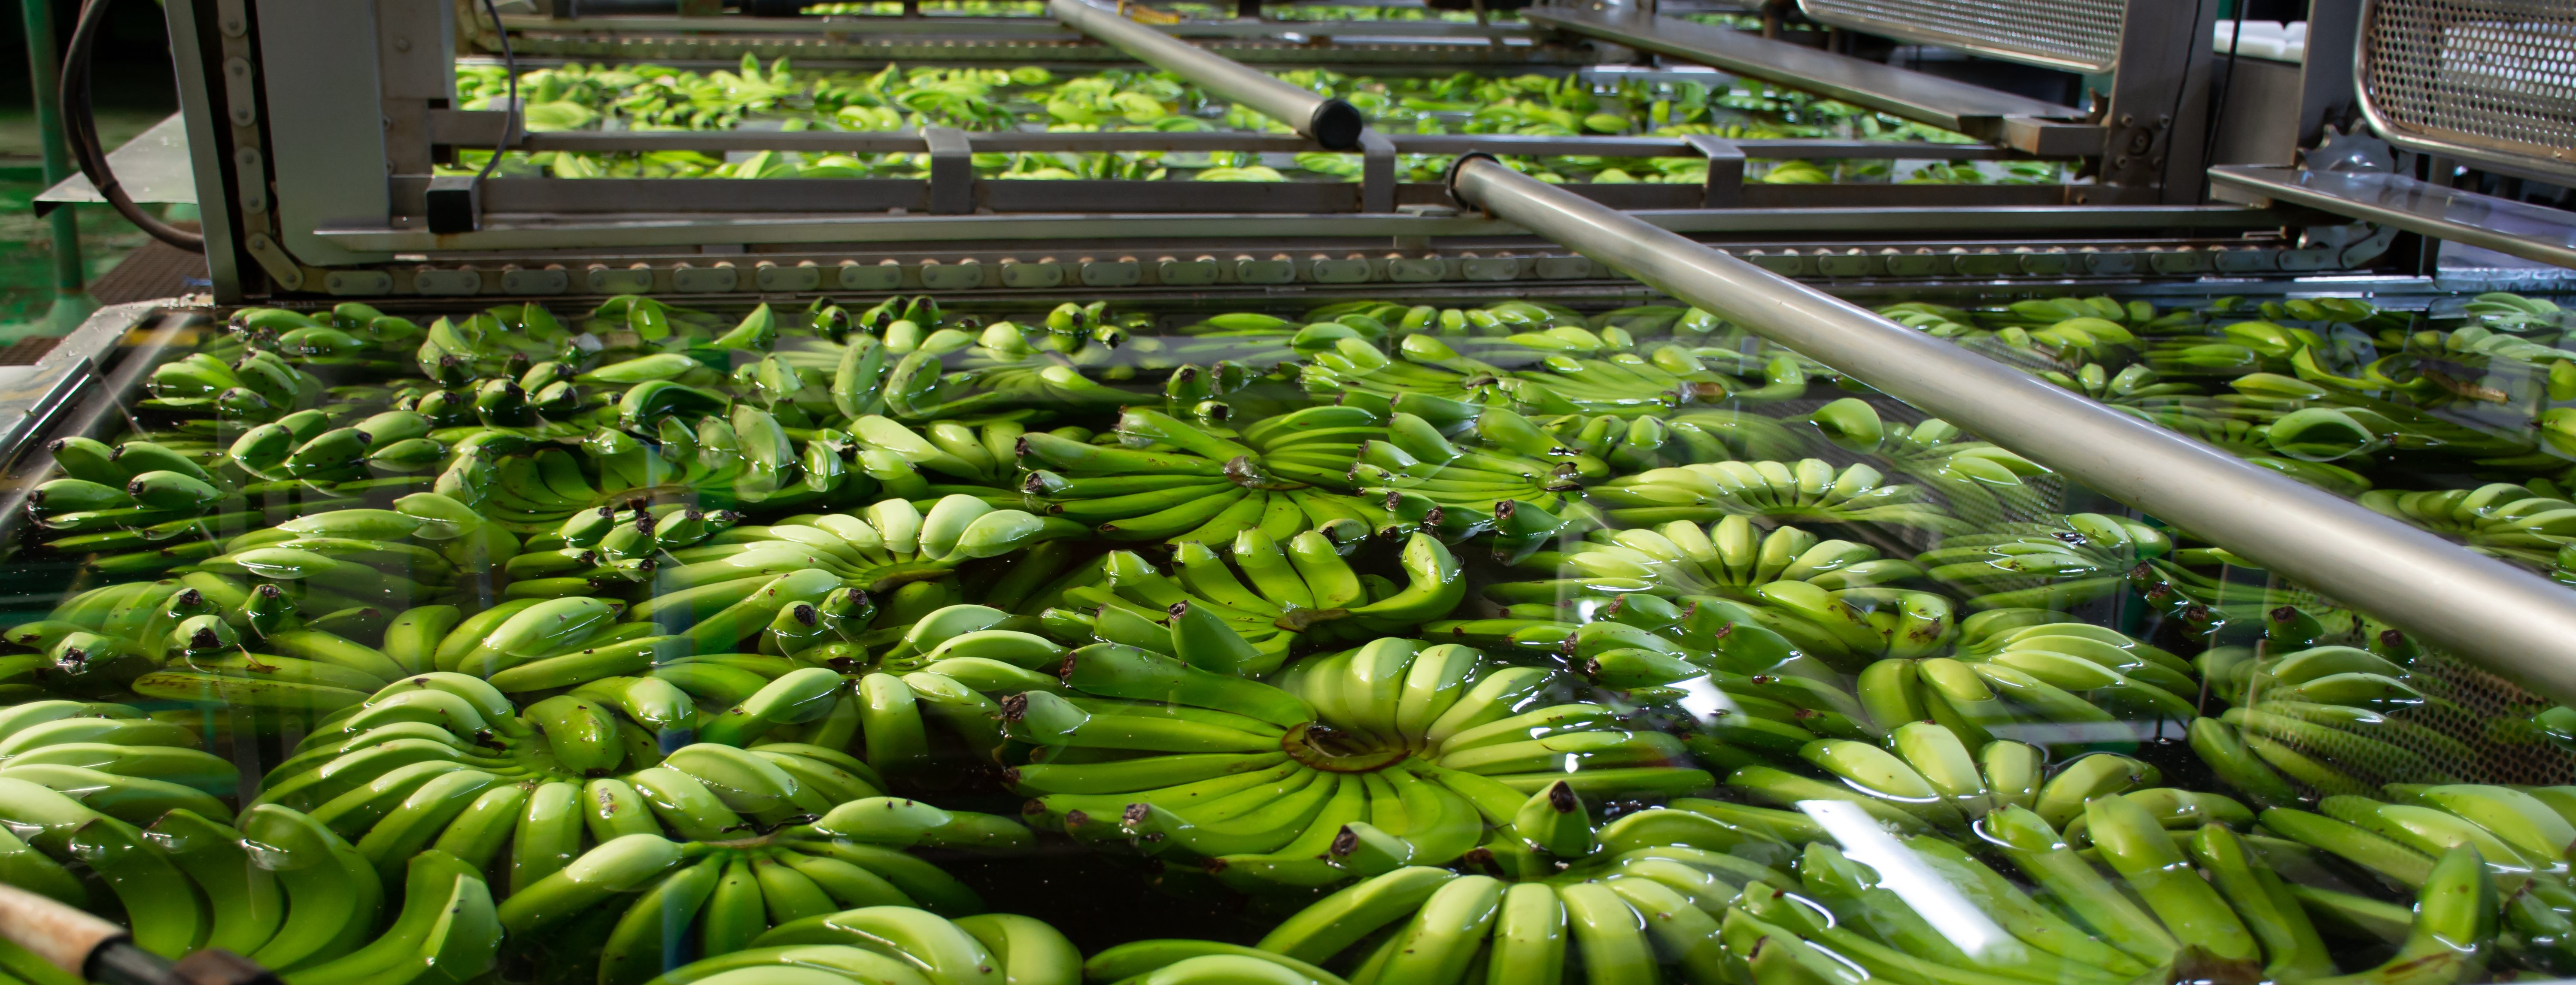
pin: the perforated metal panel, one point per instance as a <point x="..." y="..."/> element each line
<point x="2074" y="35"/>
<point x="2485" y="80"/>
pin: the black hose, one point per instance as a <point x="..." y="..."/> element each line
<point x="510" y="110"/>
<point x="80" y="130"/>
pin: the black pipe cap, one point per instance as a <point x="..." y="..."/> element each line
<point x="1337" y="125"/>
<point x="1449" y="182"/>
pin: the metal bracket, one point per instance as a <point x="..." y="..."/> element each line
<point x="1725" y="188"/>
<point x="952" y="170"/>
<point x="473" y="128"/>
<point x="1377" y="172"/>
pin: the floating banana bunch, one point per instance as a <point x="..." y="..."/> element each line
<point x="113" y="759"/>
<point x="2083" y="556"/>
<point x="1641" y="443"/>
<point x="106" y="640"/>
<point x="874" y="944"/>
<point x="1423" y="477"/>
<point x="744" y="458"/>
<point x="168" y="913"/>
<point x="2433" y="846"/>
<point x="259" y="386"/>
<point x="2203" y="896"/>
<point x="2526" y="522"/>
<point x="1288" y="785"/>
<point x="723" y="896"/>
<point x="716" y="588"/>
<point x="445" y="931"/>
<point x="443" y="760"/>
<point x="1639" y="914"/>
<point x="1644" y="640"/>
<point x="1176" y="481"/>
<point x="1268" y="596"/>
<point x="1979" y="479"/>
<point x="1730" y="559"/>
<point x="1808" y="491"/>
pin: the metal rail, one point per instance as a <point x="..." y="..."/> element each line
<point x="2510" y="620"/>
<point x="2532" y="232"/>
<point x="1328" y="121"/>
<point x="2032" y="125"/>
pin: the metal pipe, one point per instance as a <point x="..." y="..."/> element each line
<point x="2510" y="620"/>
<point x="44" y="64"/>
<point x="1326" y="120"/>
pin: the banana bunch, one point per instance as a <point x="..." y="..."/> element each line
<point x="1176" y="961"/>
<point x="2039" y="641"/>
<point x="715" y="899"/>
<point x="1938" y="321"/>
<point x="1300" y="784"/>
<point x="456" y="350"/>
<point x="2235" y="347"/>
<point x="1425" y="478"/>
<point x="50" y="830"/>
<point x="1808" y="490"/>
<point x="1923" y="910"/>
<point x="305" y="446"/>
<point x="888" y="547"/>
<point x="1644" y="907"/>
<point x="258" y="386"/>
<point x="2525" y="522"/>
<point x="1641" y="443"/>
<point x="2133" y="384"/>
<point x="2503" y="311"/>
<point x="426" y="544"/>
<point x="144" y="506"/>
<point x="2436" y="839"/>
<point x="2335" y="719"/>
<point x="446" y="933"/>
<point x="886" y="943"/>
<point x="1641" y="640"/>
<point x="1433" y="368"/>
<point x="1170" y="480"/>
<point x="114" y="760"/>
<point x="744" y="457"/>
<point x="1923" y="778"/>
<point x="1264" y="596"/>
<point x="604" y="549"/>
<point x="978" y="457"/>
<point x="1013" y="374"/>
<point x="1731" y="558"/>
<point x="107" y="640"/>
<point x="2042" y="565"/>
<point x="1978" y="478"/>
<point x="445" y="761"/>
<point x="636" y="684"/>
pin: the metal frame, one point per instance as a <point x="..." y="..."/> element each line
<point x="2027" y="124"/>
<point x="2420" y="583"/>
<point x="1331" y="122"/>
<point x="2556" y="164"/>
<point x="2520" y="229"/>
<point x="347" y="231"/>
<point x="1988" y="43"/>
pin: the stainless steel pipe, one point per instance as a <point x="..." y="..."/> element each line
<point x="2509" y="620"/>
<point x="1325" y="120"/>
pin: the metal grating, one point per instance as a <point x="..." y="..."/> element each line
<point x="2490" y="80"/>
<point x="2073" y="35"/>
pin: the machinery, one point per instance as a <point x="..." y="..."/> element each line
<point x="2209" y="309"/>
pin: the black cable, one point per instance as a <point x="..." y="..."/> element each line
<point x="509" y="65"/>
<point x="2218" y="104"/>
<point x="80" y="130"/>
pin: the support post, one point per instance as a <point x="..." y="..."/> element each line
<point x="72" y="302"/>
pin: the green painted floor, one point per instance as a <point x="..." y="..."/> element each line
<point x="26" y="245"/>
